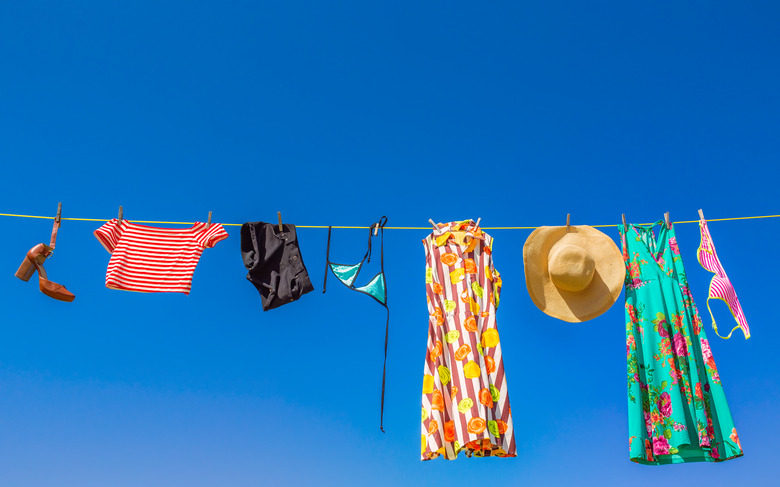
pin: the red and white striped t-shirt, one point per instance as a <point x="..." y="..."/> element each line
<point x="155" y="260"/>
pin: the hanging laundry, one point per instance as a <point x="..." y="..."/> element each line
<point x="274" y="262"/>
<point x="720" y="285"/>
<point x="376" y="287"/>
<point x="677" y="409"/>
<point x="348" y="273"/>
<point x="572" y="273"/>
<point x="154" y="260"/>
<point x="33" y="262"/>
<point x="465" y="403"/>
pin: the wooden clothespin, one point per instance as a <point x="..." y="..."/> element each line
<point x="378" y="225"/>
<point x="55" y="227"/>
<point x="568" y="219"/>
<point x="701" y="215"/>
<point x="432" y="224"/>
<point x="666" y="218"/>
<point x="279" y="214"/>
<point x="119" y="218"/>
<point x="208" y="222"/>
<point x="625" y="226"/>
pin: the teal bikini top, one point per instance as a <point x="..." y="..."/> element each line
<point x="376" y="287"/>
<point x="348" y="274"/>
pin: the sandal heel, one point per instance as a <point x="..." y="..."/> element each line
<point x="26" y="270"/>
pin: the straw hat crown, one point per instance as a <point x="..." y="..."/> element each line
<point x="573" y="275"/>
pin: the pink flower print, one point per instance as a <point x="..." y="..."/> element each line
<point x="648" y="424"/>
<point x="665" y="404"/>
<point x="704" y="440"/>
<point x="636" y="377"/>
<point x="679" y="427"/>
<point x="662" y="329"/>
<point x="676" y="374"/>
<point x="696" y="324"/>
<point x="733" y="436"/>
<point x="680" y="346"/>
<point x="673" y="246"/>
<point x="660" y="446"/>
<point x="636" y="283"/>
<point x="631" y="312"/>
<point x="714" y="453"/>
<point x="706" y="352"/>
<point x="660" y="260"/>
<point x="630" y="343"/>
<point x="686" y="291"/>
<point x="633" y="269"/>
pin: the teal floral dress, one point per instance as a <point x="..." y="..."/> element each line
<point x="677" y="411"/>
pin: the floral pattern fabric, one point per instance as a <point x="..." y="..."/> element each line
<point x="677" y="409"/>
<point x="465" y="405"/>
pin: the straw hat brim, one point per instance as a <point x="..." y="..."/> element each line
<point x="597" y="297"/>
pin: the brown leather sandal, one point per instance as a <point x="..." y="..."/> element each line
<point x="33" y="262"/>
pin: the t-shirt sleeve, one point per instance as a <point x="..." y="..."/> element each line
<point x="109" y="234"/>
<point x="209" y="236"/>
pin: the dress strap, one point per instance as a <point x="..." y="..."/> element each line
<point x="623" y="229"/>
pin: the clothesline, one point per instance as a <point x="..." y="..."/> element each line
<point x="463" y="290"/>
<point x="361" y="227"/>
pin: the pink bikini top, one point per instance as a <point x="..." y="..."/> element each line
<point x="720" y="285"/>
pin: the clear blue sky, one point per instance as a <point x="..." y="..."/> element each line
<point x="339" y="112"/>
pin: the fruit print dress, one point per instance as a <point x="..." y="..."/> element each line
<point x="677" y="411"/>
<point x="465" y="406"/>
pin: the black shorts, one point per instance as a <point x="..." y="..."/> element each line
<point x="274" y="262"/>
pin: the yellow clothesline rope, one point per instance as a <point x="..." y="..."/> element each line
<point x="365" y="227"/>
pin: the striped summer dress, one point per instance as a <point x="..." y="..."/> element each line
<point x="465" y="404"/>
<point x="155" y="260"/>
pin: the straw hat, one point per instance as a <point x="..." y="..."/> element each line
<point x="573" y="276"/>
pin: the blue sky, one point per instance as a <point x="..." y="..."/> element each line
<point x="336" y="113"/>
